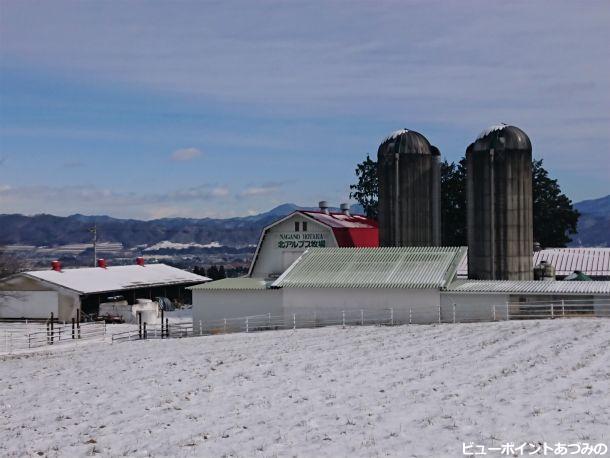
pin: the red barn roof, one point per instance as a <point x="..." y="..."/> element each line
<point x="349" y="230"/>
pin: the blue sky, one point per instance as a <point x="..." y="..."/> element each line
<point x="221" y="108"/>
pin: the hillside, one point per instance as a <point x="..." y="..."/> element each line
<point x="594" y="223"/>
<point x="365" y="391"/>
<point x="49" y="230"/>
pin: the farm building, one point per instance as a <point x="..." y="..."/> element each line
<point x="36" y="294"/>
<point x="593" y="262"/>
<point x="413" y="284"/>
<point x="283" y="241"/>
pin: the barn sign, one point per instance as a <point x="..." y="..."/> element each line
<point x="304" y="240"/>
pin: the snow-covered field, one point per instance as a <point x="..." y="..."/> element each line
<point x="370" y="391"/>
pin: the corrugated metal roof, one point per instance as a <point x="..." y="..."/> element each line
<point x="90" y="280"/>
<point x="241" y="283"/>
<point x="404" y="267"/>
<point x="340" y="220"/>
<point x="529" y="287"/>
<point x="591" y="261"/>
<point x="594" y="262"/>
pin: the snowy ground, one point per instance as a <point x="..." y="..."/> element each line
<point x="371" y="391"/>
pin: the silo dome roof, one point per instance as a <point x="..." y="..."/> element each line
<point x="503" y="136"/>
<point x="405" y="141"/>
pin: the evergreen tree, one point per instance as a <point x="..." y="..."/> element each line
<point x="555" y="218"/>
<point x="366" y="190"/>
<point x="221" y="273"/>
<point x="453" y="204"/>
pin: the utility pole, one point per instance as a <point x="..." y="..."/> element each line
<point x="93" y="230"/>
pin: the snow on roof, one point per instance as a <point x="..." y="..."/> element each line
<point x="90" y="280"/>
<point x="490" y="129"/>
<point x="395" y="134"/>
<point x="594" y="262"/>
<point x="340" y="220"/>
<point x="528" y="287"/>
<point x="388" y="267"/>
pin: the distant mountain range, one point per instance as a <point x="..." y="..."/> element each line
<point x="594" y="223"/>
<point x="49" y="230"/>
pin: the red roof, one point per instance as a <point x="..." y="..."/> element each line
<point x="349" y="230"/>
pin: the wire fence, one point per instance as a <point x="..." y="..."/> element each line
<point x="26" y="336"/>
<point x="393" y="316"/>
<point x="23" y="336"/>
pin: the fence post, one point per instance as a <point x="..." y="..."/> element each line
<point x="563" y="308"/>
<point x="139" y="325"/>
<point x="225" y="326"/>
<point x="507" y="311"/>
<point x="410" y="315"/>
<point x="78" y="323"/>
<point x="454" y="312"/>
<point x="162" y="320"/>
<point x="294" y="321"/>
<point x="361" y="317"/>
<point x="73" y="326"/>
<point x="315" y="319"/>
<point x="343" y="318"/>
<point x="144" y="330"/>
<point x="167" y="328"/>
<point x="200" y="328"/>
<point x="246" y="324"/>
<point x="269" y="320"/>
<point x="51" y="328"/>
<point x="552" y="311"/>
<point x="494" y="312"/>
<point x="439" y="314"/>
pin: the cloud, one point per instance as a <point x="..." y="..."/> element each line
<point x="185" y="154"/>
<point x="262" y="190"/>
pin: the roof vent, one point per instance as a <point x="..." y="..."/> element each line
<point x="323" y="206"/>
<point x="101" y="263"/>
<point x="56" y="266"/>
<point x="345" y="209"/>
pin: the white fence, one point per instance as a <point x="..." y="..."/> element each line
<point x="448" y="313"/>
<point x="23" y="336"/>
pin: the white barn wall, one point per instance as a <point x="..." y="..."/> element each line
<point x="68" y="301"/>
<point x="473" y="307"/>
<point x="212" y="306"/>
<point x="328" y="304"/>
<point x="271" y="260"/>
<point x="29" y="304"/>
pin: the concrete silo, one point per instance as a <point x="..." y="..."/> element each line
<point x="409" y="190"/>
<point x="499" y="199"/>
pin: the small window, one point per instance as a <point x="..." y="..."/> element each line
<point x="304" y="226"/>
<point x="296" y="226"/>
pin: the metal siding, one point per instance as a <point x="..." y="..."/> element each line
<point x="389" y="267"/>
<point x="526" y="287"/>
<point x="232" y="284"/>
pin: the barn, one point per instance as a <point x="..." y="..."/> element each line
<point x="36" y="294"/>
<point x="285" y="240"/>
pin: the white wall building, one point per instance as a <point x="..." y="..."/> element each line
<point x="282" y="242"/>
<point x="85" y="288"/>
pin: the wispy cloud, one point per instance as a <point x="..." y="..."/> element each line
<point x="194" y="201"/>
<point x="265" y="189"/>
<point x="185" y="154"/>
